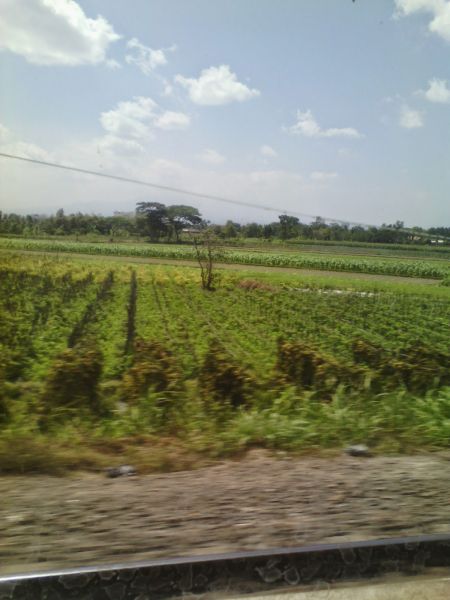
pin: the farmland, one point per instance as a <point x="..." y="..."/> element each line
<point x="435" y="268"/>
<point x="105" y="354"/>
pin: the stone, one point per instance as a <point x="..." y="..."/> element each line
<point x="122" y="471"/>
<point x="358" y="450"/>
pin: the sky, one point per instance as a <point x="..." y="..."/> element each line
<point x="332" y="108"/>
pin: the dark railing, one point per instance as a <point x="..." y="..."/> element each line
<point x="237" y="573"/>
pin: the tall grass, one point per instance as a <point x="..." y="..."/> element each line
<point x="293" y="422"/>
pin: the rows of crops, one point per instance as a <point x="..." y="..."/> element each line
<point x="373" y="265"/>
<point x="37" y="310"/>
<point x="341" y="250"/>
<point x="407" y="248"/>
<point x="119" y="350"/>
<point x="50" y="307"/>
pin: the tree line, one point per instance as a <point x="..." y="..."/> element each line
<point x="157" y="222"/>
<point x="289" y="228"/>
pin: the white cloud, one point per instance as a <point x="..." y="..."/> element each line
<point x="437" y="91"/>
<point x="410" y="118"/>
<point x="168" y="89"/>
<point x="131" y="119"/>
<point x="268" y="151"/>
<point x="118" y="146"/>
<point x="113" y="64"/>
<point x="216" y="86"/>
<point x="136" y="118"/>
<point x="10" y="144"/>
<point x="132" y="123"/>
<point x="145" y="57"/>
<point x="211" y="157"/>
<point x="172" y="120"/>
<point x="54" y="32"/>
<point x="323" y="175"/>
<point x="439" y="9"/>
<point x="307" y="125"/>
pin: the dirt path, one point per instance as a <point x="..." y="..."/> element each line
<point x="261" y="501"/>
<point x="235" y="267"/>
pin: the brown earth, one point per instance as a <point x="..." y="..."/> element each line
<point x="261" y="501"/>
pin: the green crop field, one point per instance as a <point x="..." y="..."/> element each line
<point x="93" y="353"/>
<point x="403" y="267"/>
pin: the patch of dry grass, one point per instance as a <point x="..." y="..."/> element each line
<point x="255" y="284"/>
<point x="28" y="453"/>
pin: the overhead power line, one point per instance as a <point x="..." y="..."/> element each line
<point x="167" y="188"/>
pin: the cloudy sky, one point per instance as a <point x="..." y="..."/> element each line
<point x="322" y="107"/>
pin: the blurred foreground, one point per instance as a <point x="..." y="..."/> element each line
<point x="262" y="501"/>
<point x="392" y="588"/>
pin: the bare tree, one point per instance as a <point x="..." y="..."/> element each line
<point x="206" y="253"/>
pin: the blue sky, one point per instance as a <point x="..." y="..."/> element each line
<point x="322" y="107"/>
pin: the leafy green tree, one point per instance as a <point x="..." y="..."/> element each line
<point x="230" y="229"/>
<point x="252" y="230"/>
<point x="152" y="219"/>
<point x="180" y="216"/>
<point x="289" y="226"/>
<point x="269" y="230"/>
<point x="61" y="222"/>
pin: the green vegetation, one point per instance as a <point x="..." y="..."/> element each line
<point x="157" y="221"/>
<point x="343" y="247"/>
<point x="98" y="360"/>
<point x="375" y="265"/>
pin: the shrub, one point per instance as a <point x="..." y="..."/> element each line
<point x="72" y="384"/>
<point x="368" y="354"/>
<point x="417" y="367"/>
<point x="4" y="363"/>
<point x="420" y="367"/>
<point x="222" y="381"/>
<point x="154" y="369"/>
<point x="307" y="369"/>
<point x="4" y="412"/>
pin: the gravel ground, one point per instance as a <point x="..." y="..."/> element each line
<point x="261" y="501"/>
